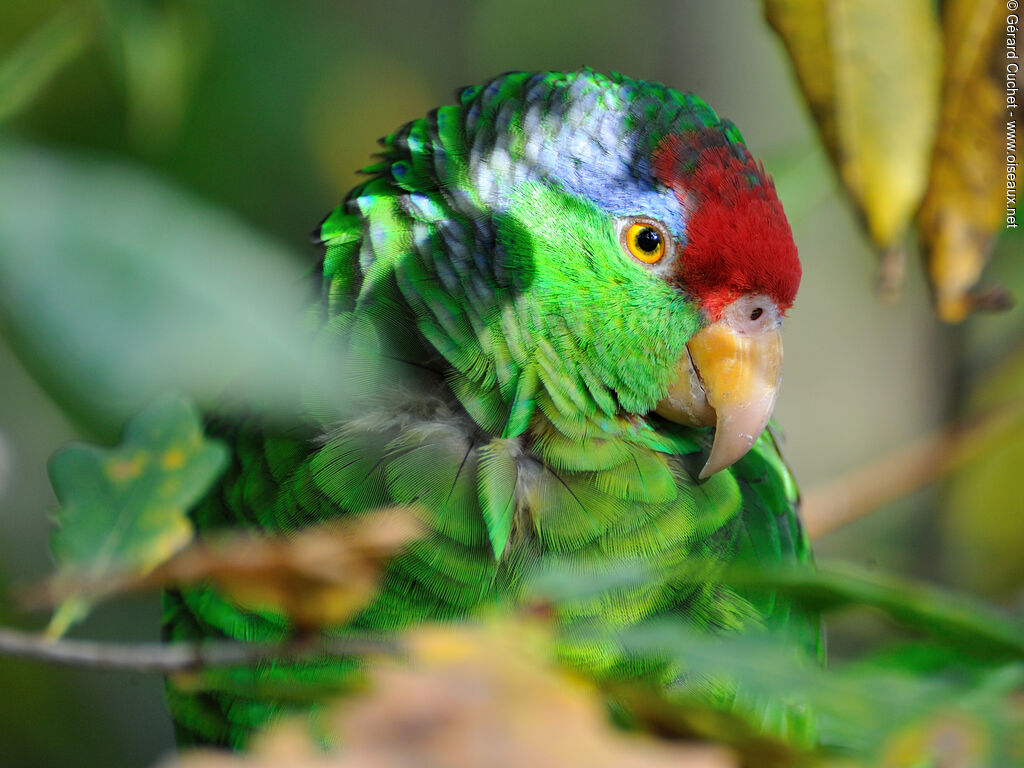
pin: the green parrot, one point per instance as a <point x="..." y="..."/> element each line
<point x="558" y="304"/>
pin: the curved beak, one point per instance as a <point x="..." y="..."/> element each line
<point x="728" y="377"/>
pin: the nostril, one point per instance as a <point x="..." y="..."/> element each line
<point x="756" y="313"/>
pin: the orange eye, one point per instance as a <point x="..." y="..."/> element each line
<point x="645" y="242"/>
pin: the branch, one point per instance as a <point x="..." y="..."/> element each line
<point x="178" y="657"/>
<point x="858" y="493"/>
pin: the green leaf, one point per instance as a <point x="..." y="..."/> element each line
<point x="124" y="509"/>
<point x="25" y="72"/>
<point x="560" y="580"/>
<point x="869" y="706"/>
<point x="115" y="287"/>
<point x="953" y="619"/>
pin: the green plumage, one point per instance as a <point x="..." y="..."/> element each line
<point x="501" y="363"/>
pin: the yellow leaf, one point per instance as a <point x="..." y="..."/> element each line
<point x="870" y="72"/>
<point x="470" y="697"/>
<point x="965" y="203"/>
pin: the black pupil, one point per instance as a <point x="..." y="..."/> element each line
<point x="648" y="240"/>
<point x="756" y="313"/>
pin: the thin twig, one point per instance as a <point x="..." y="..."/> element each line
<point x="178" y="657"/>
<point x="896" y="475"/>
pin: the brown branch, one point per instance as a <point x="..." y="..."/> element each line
<point x="178" y="657"/>
<point x="862" y="491"/>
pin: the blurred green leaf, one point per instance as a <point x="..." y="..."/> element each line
<point x="871" y="706"/>
<point x="561" y="580"/>
<point x="115" y="287"/>
<point x="124" y="509"/>
<point x="953" y="619"/>
<point x="26" y="71"/>
<point x="901" y="702"/>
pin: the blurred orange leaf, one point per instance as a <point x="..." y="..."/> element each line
<point x="317" y="577"/>
<point x="964" y="205"/>
<point x="469" y="697"/>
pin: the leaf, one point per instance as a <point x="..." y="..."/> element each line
<point x="27" y="71"/>
<point x="870" y="72"/>
<point x="952" y="619"/>
<point x="867" y="709"/>
<point x="318" y="577"/>
<point x="472" y="697"/>
<point x="115" y="286"/>
<point x="125" y="508"/>
<point x="558" y="580"/>
<point x="966" y="201"/>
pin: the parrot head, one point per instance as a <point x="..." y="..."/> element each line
<point x="653" y="247"/>
<point x="605" y="251"/>
<point x="739" y="267"/>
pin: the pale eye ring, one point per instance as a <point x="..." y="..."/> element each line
<point x="645" y="240"/>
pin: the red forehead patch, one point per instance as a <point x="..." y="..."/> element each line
<point x="737" y="238"/>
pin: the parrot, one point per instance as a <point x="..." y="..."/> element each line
<point x="558" y="304"/>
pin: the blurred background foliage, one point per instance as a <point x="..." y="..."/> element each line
<point x="218" y="132"/>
